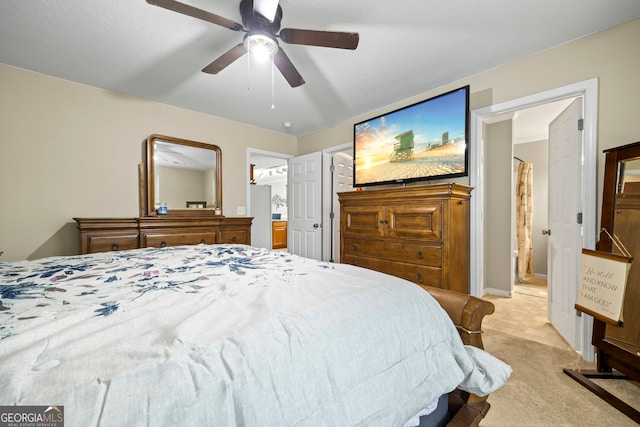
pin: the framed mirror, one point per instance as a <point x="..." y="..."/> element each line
<point x="628" y="176"/>
<point x="624" y="223"/>
<point x="180" y="172"/>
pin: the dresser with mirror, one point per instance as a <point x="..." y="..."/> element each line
<point x="180" y="203"/>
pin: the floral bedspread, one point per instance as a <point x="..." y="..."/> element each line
<point x="103" y="283"/>
<point x="226" y="335"/>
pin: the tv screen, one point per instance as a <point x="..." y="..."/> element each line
<point x="423" y="141"/>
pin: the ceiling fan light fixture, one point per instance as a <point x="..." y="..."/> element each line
<point x="261" y="21"/>
<point x="261" y="46"/>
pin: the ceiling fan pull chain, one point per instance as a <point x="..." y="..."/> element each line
<point x="273" y="89"/>
<point x="248" y="72"/>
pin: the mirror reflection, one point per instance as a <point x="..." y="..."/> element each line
<point x="183" y="176"/>
<point x="629" y="176"/>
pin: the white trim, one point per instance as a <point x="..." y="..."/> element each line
<point x="588" y="89"/>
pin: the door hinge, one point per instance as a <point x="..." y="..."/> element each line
<point x="579" y="218"/>
<point x="332" y="168"/>
<point x="580" y="124"/>
<point x="332" y="215"/>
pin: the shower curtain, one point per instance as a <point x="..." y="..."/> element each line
<point x="524" y="211"/>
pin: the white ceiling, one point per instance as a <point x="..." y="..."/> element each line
<point x="406" y="47"/>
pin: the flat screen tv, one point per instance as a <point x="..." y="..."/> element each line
<point x="423" y="141"/>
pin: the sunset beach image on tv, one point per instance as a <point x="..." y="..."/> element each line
<point x="423" y="141"/>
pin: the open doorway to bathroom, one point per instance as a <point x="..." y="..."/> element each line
<point x="525" y="311"/>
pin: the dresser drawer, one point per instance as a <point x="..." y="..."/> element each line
<point x="106" y="234"/>
<point x="422" y="222"/>
<point x="234" y="236"/>
<point x="104" y="242"/>
<point x="160" y="240"/>
<point x="428" y="255"/>
<point x="363" y="221"/>
<point x="422" y="275"/>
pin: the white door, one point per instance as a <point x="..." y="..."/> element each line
<point x="304" y="229"/>
<point x="342" y="181"/>
<point x="565" y="238"/>
<point x="261" y="213"/>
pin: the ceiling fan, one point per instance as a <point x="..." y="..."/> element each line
<point x="261" y="21"/>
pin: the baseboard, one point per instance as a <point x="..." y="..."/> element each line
<point x="497" y="292"/>
<point x="540" y="276"/>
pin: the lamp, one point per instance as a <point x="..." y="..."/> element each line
<point x="261" y="46"/>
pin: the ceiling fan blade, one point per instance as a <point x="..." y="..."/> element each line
<point x="186" y="9"/>
<point x="266" y="8"/>
<point x="340" y="40"/>
<point x="224" y="60"/>
<point x="287" y="69"/>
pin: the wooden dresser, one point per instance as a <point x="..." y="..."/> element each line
<point x="419" y="233"/>
<point x="113" y="234"/>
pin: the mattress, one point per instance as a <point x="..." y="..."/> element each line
<point x="226" y="335"/>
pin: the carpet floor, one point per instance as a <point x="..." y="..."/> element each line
<point x="539" y="393"/>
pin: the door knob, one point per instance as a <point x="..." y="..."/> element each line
<point x="316" y="225"/>
<point x="546" y="232"/>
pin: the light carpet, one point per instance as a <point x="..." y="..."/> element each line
<point x="539" y="393"/>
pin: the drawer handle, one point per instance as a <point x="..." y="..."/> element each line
<point x="202" y="241"/>
<point x="234" y="239"/>
<point x="355" y="246"/>
<point x="419" y="276"/>
<point x="461" y="202"/>
<point x="163" y="244"/>
<point x="384" y="221"/>
<point x="115" y="246"/>
<point x="419" y="254"/>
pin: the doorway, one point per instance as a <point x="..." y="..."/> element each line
<point x="336" y="176"/>
<point x="530" y="145"/>
<point x="588" y="90"/>
<point x="318" y="231"/>
<point x="267" y="198"/>
<point x="529" y="293"/>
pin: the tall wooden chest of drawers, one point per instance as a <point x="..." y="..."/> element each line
<point x="419" y="233"/>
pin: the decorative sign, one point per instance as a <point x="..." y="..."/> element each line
<point x="604" y="280"/>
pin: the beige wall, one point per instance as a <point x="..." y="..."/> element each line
<point x="497" y="237"/>
<point x="70" y="150"/>
<point x="611" y="56"/>
<point x="179" y="185"/>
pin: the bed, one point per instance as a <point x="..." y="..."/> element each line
<point x="232" y="335"/>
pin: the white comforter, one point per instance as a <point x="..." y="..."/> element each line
<point x="226" y="336"/>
